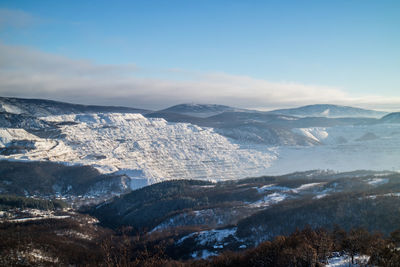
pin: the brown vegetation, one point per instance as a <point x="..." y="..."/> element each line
<point x="74" y="242"/>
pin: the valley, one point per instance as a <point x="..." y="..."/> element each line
<point x="191" y="181"/>
<point x="229" y="144"/>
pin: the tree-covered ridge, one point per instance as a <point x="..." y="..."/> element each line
<point x="50" y="179"/>
<point x="10" y="202"/>
<point x="347" y="210"/>
<point x="320" y="199"/>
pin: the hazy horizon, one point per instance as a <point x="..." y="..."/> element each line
<point x="197" y="103"/>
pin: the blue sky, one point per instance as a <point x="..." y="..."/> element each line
<point x="260" y="54"/>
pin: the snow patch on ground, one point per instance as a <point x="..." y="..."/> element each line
<point x="305" y="187"/>
<point x="38" y="218"/>
<point x="203" y="254"/>
<point x="315" y="133"/>
<point x="384" y="195"/>
<point x="345" y="261"/>
<point x="11" y="109"/>
<point x="74" y="234"/>
<point x="210" y="236"/>
<point x="41" y="256"/>
<point x="322" y="195"/>
<point x="269" y="200"/>
<point x="378" y="181"/>
<point x="272" y="187"/>
<point x="8" y="135"/>
<point x="326" y="192"/>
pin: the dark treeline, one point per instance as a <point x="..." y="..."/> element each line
<point x="58" y="242"/>
<point x="48" y="179"/>
<point x="145" y="208"/>
<point x="10" y="202"/>
<point x="103" y="247"/>
<point x="303" y="248"/>
<point x="310" y="247"/>
<point x="348" y="210"/>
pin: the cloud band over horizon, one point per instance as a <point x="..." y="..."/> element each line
<point x="30" y="73"/>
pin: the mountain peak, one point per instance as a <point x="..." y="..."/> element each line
<point x="200" y="110"/>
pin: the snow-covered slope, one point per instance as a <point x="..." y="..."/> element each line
<point x="151" y="150"/>
<point x="144" y="149"/>
<point x="7" y="135"/>
<point x="229" y="145"/>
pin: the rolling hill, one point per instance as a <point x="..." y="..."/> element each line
<point x="330" y="111"/>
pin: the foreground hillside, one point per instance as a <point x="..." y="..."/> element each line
<point x="301" y="219"/>
<point x="77" y="241"/>
<point x="202" y="218"/>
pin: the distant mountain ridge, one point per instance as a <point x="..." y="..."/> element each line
<point x="164" y="145"/>
<point x="391" y="118"/>
<point x="271" y="128"/>
<point x="200" y="110"/>
<point x="330" y="111"/>
<point x="44" y="107"/>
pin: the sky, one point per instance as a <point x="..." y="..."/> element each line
<point x="250" y="54"/>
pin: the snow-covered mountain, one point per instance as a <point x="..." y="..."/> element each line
<point x="228" y="145"/>
<point x="147" y="150"/>
<point x="200" y="110"/>
<point x="42" y="107"/>
<point x="329" y="111"/>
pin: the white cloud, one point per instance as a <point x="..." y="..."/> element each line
<point x="25" y="72"/>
